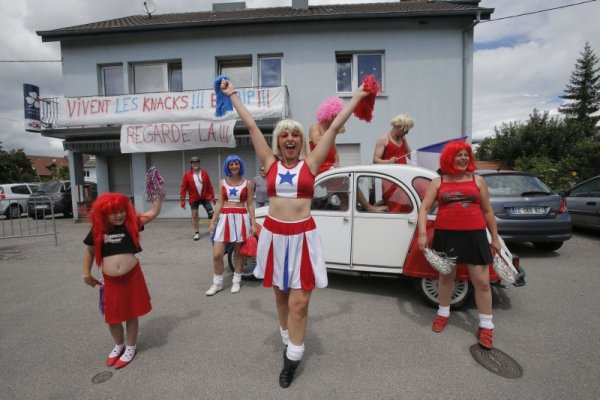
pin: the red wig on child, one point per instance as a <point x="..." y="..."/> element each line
<point x="448" y="153"/>
<point x="105" y="204"/>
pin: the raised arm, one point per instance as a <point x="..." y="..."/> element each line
<point x="261" y="147"/>
<point x="153" y="212"/>
<point x="316" y="158"/>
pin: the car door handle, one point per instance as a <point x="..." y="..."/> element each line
<point x="346" y="219"/>
<point x="590" y="203"/>
<point x="412" y="221"/>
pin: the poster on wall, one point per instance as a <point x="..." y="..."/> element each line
<point x="31" y="105"/>
<point x="167" y="136"/>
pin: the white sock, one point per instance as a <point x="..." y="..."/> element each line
<point x="116" y="352"/>
<point x="237" y="278"/>
<point x="294" y="352"/>
<point x="128" y="354"/>
<point x="444" y="311"/>
<point x="485" y="321"/>
<point x="285" y="337"/>
<point x="218" y="280"/>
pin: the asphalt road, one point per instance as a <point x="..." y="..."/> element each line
<point x="368" y="338"/>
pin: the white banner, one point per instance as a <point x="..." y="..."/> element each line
<point x="145" y="138"/>
<point x="150" y="108"/>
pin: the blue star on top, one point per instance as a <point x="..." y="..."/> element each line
<point x="233" y="192"/>
<point x="286" y="178"/>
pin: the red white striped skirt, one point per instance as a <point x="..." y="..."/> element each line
<point x="290" y="255"/>
<point x="233" y="225"/>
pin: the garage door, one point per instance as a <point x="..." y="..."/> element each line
<point x="349" y="153"/>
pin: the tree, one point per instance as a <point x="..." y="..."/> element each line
<point x="15" y="167"/>
<point x="583" y="93"/>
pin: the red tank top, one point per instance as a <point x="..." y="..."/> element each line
<point x="295" y="182"/>
<point x="329" y="160"/>
<point x="237" y="193"/>
<point x="459" y="208"/>
<point x="391" y="149"/>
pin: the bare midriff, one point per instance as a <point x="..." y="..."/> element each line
<point x="289" y="210"/>
<point x="119" y="264"/>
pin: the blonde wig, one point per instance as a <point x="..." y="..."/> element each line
<point x="403" y="121"/>
<point x="287" y="125"/>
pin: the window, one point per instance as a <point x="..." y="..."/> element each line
<point x="332" y="194"/>
<point x="376" y="194"/>
<point x="161" y="77"/>
<point x="352" y="69"/>
<point x="111" y="77"/>
<point x="238" y="69"/>
<point x="21" y="189"/>
<point x="270" y="71"/>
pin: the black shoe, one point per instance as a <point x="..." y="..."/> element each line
<point x="287" y="373"/>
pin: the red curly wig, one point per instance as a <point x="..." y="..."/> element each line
<point x="105" y="204"/>
<point x="448" y="153"/>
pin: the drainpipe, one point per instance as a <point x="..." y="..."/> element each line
<point x="467" y="84"/>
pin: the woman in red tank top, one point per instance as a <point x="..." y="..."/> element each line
<point x="464" y="213"/>
<point x="392" y="148"/>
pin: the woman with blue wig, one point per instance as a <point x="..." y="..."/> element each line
<point x="232" y="222"/>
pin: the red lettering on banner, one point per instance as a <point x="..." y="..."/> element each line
<point x="224" y="133"/>
<point x="83" y="107"/>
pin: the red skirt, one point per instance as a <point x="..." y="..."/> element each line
<point x="126" y="297"/>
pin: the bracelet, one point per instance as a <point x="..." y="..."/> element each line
<point x="422" y="234"/>
<point x="235" y="92"/>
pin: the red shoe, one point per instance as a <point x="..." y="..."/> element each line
<point x="439" y="323"/>
<point x="485" y="337"/>
<point x="122" y="363"/>
<point x="113" y="357"/>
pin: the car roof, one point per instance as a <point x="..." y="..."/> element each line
<point x="399" y="170"/>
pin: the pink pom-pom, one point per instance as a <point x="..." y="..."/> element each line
<point x="329" y="108"/>
<point x="364" y="108"/>
<point x="155" y="185"/>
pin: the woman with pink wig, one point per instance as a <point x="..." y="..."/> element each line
<point x="326" y="113"/>
<point x="113" y="242"/>
<point x="464" y="213"/>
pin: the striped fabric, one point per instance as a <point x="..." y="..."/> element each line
<point x="233" y="225"/>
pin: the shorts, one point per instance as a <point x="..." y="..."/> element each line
<point x="207" y="204"/>
<point x="233" y="225"/>
<point x="126" y="297"/>
<point x="470" y="247"/>
<point x="290" y="255"/>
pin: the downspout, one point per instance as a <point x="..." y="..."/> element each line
<point x="467" y="84"/>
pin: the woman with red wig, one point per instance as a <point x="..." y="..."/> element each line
<point x="464" y="213"/>
<point x="113" y="242"/>
<point x="326" y="113"/>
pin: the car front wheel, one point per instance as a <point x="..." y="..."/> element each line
<point x="429" y="291"/>
<point x="548" y="246"/>
<point x="13" y="212"/>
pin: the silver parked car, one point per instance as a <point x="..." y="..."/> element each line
<point x="583" y="201"/>
<point x="13" y="198"/>
<point x="526" y="210"/>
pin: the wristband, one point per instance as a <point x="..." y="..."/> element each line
<point x="422" y="234"/>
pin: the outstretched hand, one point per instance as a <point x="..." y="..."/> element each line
<point x="227" y="88"/>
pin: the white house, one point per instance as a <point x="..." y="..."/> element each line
<point x="138" y="89"/>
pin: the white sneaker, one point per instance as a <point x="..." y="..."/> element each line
<point x="197" y="236"/>
<point x="235" y="288"/>
<point x="214" y="289"/>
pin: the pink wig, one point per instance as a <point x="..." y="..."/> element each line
<point x="105" y="204"/>
<point x="448" y="153"/>
<point x="329" y="109"/>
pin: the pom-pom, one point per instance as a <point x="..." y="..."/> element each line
<point x="329" y="108"/>
<point x="223" y="102"/>
<point x="364" y="108"/>
<point x="506" y="272"/>
<point x="155" y="185"/>
<point x="440" y="261"/>
<point x="250" y="246"/>
<point x="101" y="297"/>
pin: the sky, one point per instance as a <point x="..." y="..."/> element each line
<point x="520" y="63"/>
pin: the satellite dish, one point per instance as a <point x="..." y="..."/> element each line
<point x="149" y="7"/>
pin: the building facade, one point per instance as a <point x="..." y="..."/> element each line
<point x="420" y="51"/>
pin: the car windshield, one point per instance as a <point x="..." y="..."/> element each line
<point x="51" y="187"/>
<point x="514" y="185"/>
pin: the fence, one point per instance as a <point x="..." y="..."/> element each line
<point x="34" y="217"/>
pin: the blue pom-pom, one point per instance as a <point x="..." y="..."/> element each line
<point x="223" y="102"/>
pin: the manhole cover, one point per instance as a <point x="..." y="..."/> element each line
<point x="102" y="377"/>
<point x="496" y="361"/>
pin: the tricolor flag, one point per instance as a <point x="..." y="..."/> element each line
<point x="429" y="156"/>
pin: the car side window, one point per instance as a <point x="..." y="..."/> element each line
<point x="332" y="194"/>
<point x="375" y="194"/>
<point x="589" y="189"/>
<point x="20" y="189"/>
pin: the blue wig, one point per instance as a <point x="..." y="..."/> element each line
<point x="230" y="158"/>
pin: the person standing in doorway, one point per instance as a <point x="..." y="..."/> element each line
<point x="196" y="183"/>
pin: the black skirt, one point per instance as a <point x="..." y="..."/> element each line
<point x="469" y="247"/>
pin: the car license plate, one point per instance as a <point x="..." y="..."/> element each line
<point x="529" y="210"/>
<point x="41" y="207"/>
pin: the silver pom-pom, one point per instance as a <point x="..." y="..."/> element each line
<point x="506" y="272"/>
<point x="440" y="261"/>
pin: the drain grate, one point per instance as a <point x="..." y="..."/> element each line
<point x="102" y="377"/>
<point x="497" y="361"/>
